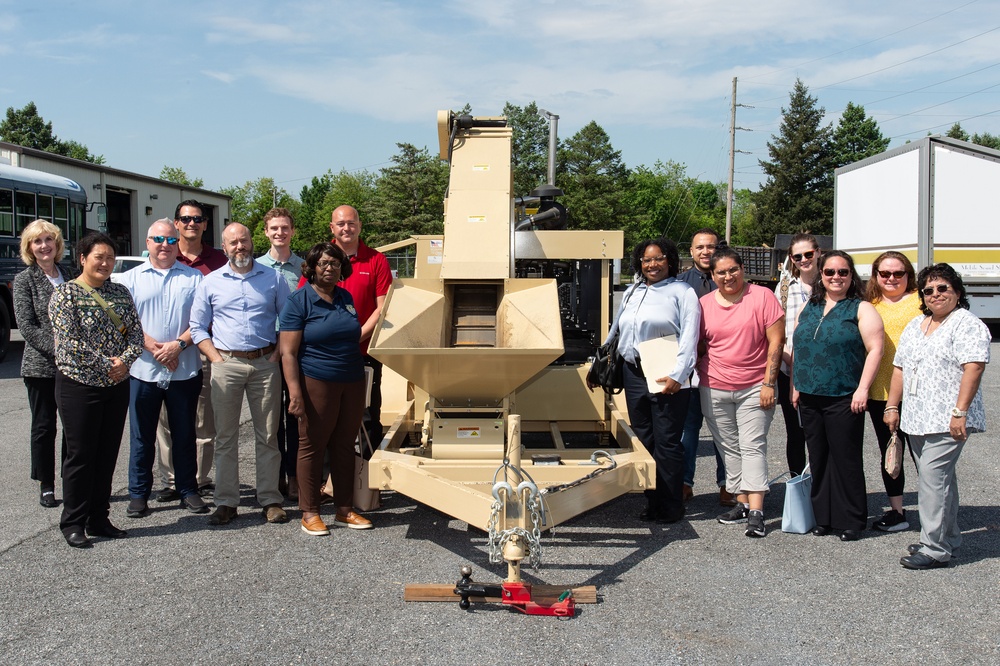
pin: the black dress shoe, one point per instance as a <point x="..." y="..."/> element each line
<point x="920" y="561"/>
<point x="106" y="530"/>
<point x="194" y="503"/>
<point x="48" y="499"/>
<point x="167" y="494"/>
<point x="820" y="530"/>
<point x="648" y="515"/>
<point x="850" y="535"/>
<point x="914" y="548"/>
<point x="78" y="540"/>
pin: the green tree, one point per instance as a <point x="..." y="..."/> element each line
<point x="408" y="199"/>
<point x="595" y="180"/>
<point x="351" y="188"/>
<point x="27" y="128"/>
<point x="744" y="217"/>
<point x="664" y="201"/>
<point x="179" y="176"/>
<point x="529" y="150"/>
<point x="986" y="139"/>
<point x="252" y="200"/>
<point x="798" y="192"/>
<point x="956" y="132"/>
<point x="856" y="137"/>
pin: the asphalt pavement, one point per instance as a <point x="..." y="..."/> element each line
<point x="179" y="591"/>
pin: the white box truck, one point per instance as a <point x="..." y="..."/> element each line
<point x="933" y="200"/>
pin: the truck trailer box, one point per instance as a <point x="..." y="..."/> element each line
<point x="931" y="200"/>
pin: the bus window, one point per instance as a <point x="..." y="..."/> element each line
<point x="7" y="212"/>
<point x="60" y="216"/>
<point x="44" y="207"/>
<point x="25" y="210"/>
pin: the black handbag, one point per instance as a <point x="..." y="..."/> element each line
<point x="606" y="370"/>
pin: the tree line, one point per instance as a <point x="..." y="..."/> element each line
<point x="601" y="191"/>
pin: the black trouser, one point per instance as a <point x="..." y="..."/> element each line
<point x="876" y="410"/>
<point x="42" y="403"/>
<point x="93" y="419"/>
<point x="373" y="415"/>
<point x="835" y="437"/>
<point x="795" y="441"/>
<point x="288" y="434"/>
<point x="658" y="421"/>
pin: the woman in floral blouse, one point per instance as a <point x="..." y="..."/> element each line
<point x="97" y="338"/>
<point x="939" y="364"/>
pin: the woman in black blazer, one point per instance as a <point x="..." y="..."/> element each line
<point x="41" y="249"/>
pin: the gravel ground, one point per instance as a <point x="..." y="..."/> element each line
<point x="180" y="591"/>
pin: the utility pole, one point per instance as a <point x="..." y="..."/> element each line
<point x="732" y="160"/>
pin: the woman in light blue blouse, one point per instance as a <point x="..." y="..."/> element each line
<point x="659" y="305"/>
<point x="939" y="364"/>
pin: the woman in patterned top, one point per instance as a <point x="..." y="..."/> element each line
<point x="41" y="249"/>
<point x="97" y="338"/>
<point x="838" y="344"/>
<point x="892" y="289"/>
<point x="938" y="367"/>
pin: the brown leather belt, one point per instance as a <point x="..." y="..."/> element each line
<point x="249" y="355"/>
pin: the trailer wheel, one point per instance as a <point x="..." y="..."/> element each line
<point x="4" y="330"/>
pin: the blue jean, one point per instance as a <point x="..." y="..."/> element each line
<point x="657" y="419"/>
<point x="145" y="401"/>
<point x="692" y="428"/>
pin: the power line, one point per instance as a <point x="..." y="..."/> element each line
<point x="928" y="129"/>
<point x="938" y="104"/>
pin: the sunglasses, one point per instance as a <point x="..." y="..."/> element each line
<point x="169" y="240"/>
<point x="188" y="219"/>
<point x="805" y="255"/>
<point x="842" y="272"/>
<point x="941" y="289"/>
<point x="885" y="275"/>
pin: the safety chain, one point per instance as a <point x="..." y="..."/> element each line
<point x="497" y="539"/>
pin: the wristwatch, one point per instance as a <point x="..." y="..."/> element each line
<point x="958" y="413"/>
<point x="183" y="345"/>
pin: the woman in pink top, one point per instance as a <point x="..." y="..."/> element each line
<point x="742" y="334"/>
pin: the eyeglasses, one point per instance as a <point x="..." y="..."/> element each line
<point x="188" y="219"/>
<point x="842" y="272"/>
<point x="732" y="271"/>
<point x="805" y="255"/>
<point x="169" y="240"/>
<point x="323" y="265"/>
<point x="941" y="289"/>
<point x="699" y="248"/>
<point x="654" y="260"/>
<point x="885" y="275"/>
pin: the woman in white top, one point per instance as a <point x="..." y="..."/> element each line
<point x="939" y="364"/>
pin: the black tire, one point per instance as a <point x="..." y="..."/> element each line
<point x="4" y="330"/>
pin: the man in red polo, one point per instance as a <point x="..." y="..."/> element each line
<point x="368" y="284"/>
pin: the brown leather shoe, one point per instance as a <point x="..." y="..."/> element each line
<point x="273" y="513"/>
<point x="315" y="526"/>
<point x="352" y="520"/>
<point x="726" y="498"/>
<point x="222" y="515"/>
<point x="688" y="493"/>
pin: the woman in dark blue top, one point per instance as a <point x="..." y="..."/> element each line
<point x="321" y="359"/>
<point x="836" y="350"/>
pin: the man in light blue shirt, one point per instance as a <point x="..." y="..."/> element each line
<point x="168" y="374"/>
<point x="279" y="227"/>
<point x="239" y="303"/>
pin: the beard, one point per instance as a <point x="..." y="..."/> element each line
<point x="241" y="260"/>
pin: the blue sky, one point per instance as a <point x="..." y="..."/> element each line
<point x="232" y="91"/>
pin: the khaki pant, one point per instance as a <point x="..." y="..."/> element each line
<point x="204" y="432"/>
<point x="260" y="382"/>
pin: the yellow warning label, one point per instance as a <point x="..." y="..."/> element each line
<point x="480" y="167"/>
<point x="469" y="433"/>
<point x="477" y="218"/>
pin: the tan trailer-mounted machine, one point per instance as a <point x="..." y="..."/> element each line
<point x="494" y="335"/>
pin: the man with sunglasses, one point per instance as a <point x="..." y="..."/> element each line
<point x="699" y="276"/>
<point x="168" y="374"/>
<point x="190" y="222"/>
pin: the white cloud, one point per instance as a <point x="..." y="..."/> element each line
<point x="225" y="77"/>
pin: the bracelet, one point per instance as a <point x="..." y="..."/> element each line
<point x="770" y="386"/>
<point x="891" y="409"/>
